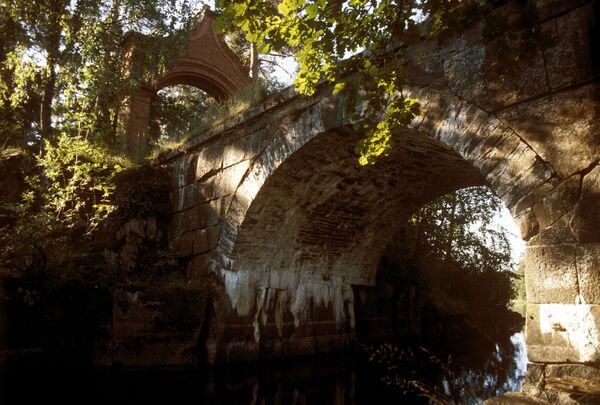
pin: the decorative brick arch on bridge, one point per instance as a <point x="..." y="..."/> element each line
<point x="271" y="209"/>
<point x="206" y="63"/>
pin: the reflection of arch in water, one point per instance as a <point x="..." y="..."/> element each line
<point x="206" y="63"/>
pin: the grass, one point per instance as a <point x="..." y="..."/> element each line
<point x="214" y="115"/>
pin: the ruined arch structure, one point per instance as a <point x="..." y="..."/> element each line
<point x="206" y="63"/>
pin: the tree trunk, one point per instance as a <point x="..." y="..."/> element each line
<point x="46" y="108"/>
<point x="451" y="231"/>
<point x="253" y="62"/>
<point x="52" y="46"/>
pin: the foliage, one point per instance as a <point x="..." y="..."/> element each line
<point x="175" y="109"/>
<point x="461" y="226"/>
<point x="64" y="63"/>
<point x="451" y="248"/>
<point x="457" y="259"/>
<point x="199" y="113"/>
<point x="268" y="63"/>
<point x="67" y="199"/>
<point x="323" y="34"/>
<point x="79" y="177"/>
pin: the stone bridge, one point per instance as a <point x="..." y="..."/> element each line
<point x="272" y="209"/>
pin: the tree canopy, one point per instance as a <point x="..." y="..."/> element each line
<point x="63" y="70"/>
<point x="454" y="246"/>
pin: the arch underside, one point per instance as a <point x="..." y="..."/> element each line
<point x="320" y="213"/>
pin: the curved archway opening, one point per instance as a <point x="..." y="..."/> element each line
<point x="445" y="287"/>
<point x="312" y="240"/>
<point x="320" y="224"/>
<point x="338" y="216"/>
<point x="178" y="110"/>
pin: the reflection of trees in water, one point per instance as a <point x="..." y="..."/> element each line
<point x="485" y="374"/>
<point x="450" y="265"/>
<point x="481" y="369"/>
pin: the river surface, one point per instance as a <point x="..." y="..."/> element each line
<point x="478" y="370"/>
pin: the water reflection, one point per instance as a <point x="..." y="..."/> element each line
<point x="337" y="379"/>
<point x="479" y="369"/>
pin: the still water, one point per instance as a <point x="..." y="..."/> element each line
<point x="477" y="370"/>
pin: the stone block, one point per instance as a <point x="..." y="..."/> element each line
<point x="550" y="274"/>
<point x="190" y="168"/>
<point x="188" y="219"/>
<point x="518" y="173"/>
<point x="557" y="233"/>
<point x="492" y="161"/>
<point x="210" y="160"/>
<point x="457" y="119"/>
<point x="527" y="223"/>
<point x="557" y="202"/>
<point x="561" y="128"/>
<point x="206" y="239"/>
<point x="531" y="196"/>
<point x="563" y="333"/>
<point x="209" y="213"/>
<point x="212" y="236"/>
<point x="233" y="154"/>
<point x="585" y="224"/>
<point x="588" y="272"/>
<point x="533" y="383"/>
<point x="463" y="60"/>
<point x="200" y="243"/>
<point x="466" y="67"/>
<point x="477" y="145"/>
<point x="568" y="59"/>
<point x="423" y="59"/>
<point x="175" y="225"/>
<point x="433" y="111"/>
<point x="182" y="245"/>
<point x="205" y="191"/>
<point x="589" y="372"/>
<point x="572" y="383"/>
<point x="229" y="179"/>
<point x="199" y="267"/>
<point x="189" y="196"/>
<point x="528" y="177"/>
<point x="176" y="199"/>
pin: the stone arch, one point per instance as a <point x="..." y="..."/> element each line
<point x="206" y="63"/>
<point x="506" y="162"/>
<point x="296" y="267"/>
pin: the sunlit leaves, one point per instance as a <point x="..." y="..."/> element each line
<point x="461" y="226"/>
<point x="79" y="177"/>
<point x="70" y="54"/>
<point x="323" y="36"/>
<point x="398" y="114"/>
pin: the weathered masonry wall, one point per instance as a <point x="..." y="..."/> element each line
<point x="271" y="209"/>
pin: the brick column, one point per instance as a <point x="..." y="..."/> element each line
<point x="139" y="118"/>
